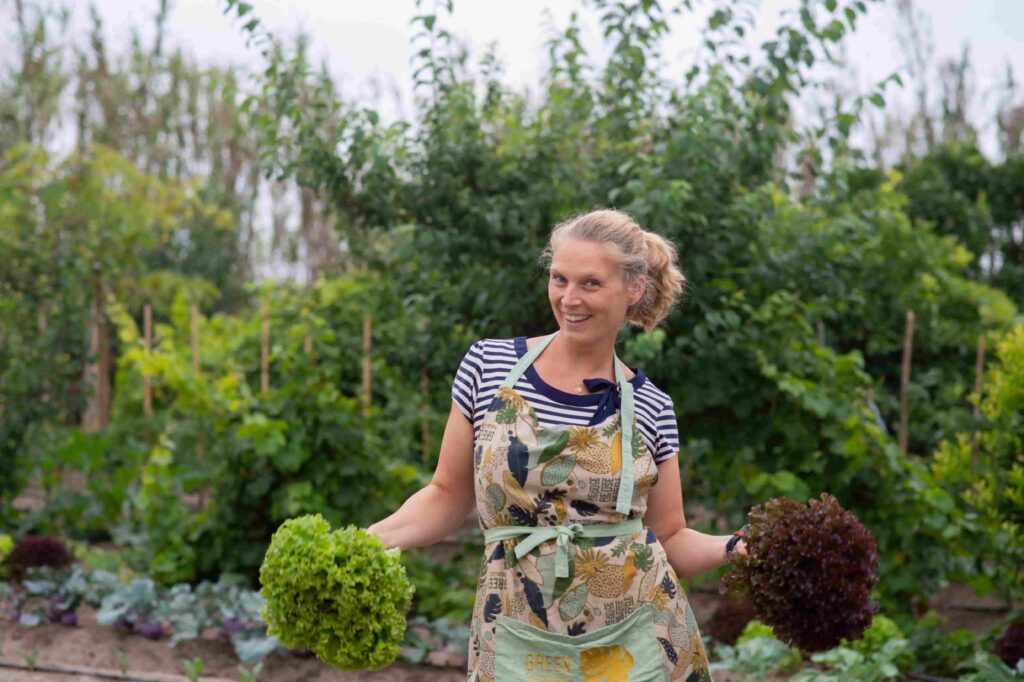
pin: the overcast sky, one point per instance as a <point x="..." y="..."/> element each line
<point x="371" y="40"/>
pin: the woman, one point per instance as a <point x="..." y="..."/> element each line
<point x="570" y="459"/>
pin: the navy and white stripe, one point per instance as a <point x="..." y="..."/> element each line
<point x="489" y="361"/>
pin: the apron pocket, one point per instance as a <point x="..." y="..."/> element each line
<point x="627" y="651"/>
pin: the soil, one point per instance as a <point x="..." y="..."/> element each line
<point x="94" y="647"/>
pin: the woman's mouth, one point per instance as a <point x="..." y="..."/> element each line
<point x="577" y="319"/>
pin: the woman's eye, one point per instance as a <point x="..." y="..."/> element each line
<point x="593" y="283"/>
<point x="558" y="279"/>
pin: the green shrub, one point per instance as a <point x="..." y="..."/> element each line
<point x="938" y="652"/>
<point x="340" y="594"/>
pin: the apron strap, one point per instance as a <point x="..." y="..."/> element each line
<point x="626" y="414"/>
<point x="625" y="498"/>
<point x="526" y="361"/>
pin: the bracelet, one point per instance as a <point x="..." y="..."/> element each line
<point x="730" y="546"/>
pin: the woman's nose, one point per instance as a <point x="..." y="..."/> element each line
<point x="570" y="297"/>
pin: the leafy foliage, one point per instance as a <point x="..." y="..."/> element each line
<point x="340" y="594"/>
<point x="809" y="571"/>
<point x="758" y="653"/>
<point x="981" y="476"/>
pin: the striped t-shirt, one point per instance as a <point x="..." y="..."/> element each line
<point x="489" y="361"/>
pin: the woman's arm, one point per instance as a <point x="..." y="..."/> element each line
<point x="434" y="512"/>
<point x="689" y="552"/>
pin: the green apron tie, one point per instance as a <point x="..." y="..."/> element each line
<point x="562" y="535"/>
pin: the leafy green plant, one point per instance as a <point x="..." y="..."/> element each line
<point x="985" y="667"/>
<point x="133" y="606"/>
<point x="938" y="652"/>
<point x="443" y="589"/>
<point x="757" y="653"/>
<point x="30" y="657"/>
<point x="846" y="664"/>
<point x="423" y="636"/>
<point x="808" y="572"/>
<point x="6" y="545"/>
<point x="881" y="631"/>
<point x="340" y="594"/>
<point x="193" y="669"/>
<point x="249" y="674"/>
<point x="122" y="659"/>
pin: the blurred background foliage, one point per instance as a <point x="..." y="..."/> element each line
<point x="803" y="247"/>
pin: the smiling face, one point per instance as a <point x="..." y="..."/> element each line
<point x="588" y="294"/>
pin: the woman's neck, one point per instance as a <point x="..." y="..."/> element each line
<point x="590" y="360"/>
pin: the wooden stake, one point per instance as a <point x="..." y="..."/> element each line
<point x="147" y="380"/>
<point x="194" y="323"/>
<point x="821" y="333"/>
<point x="908" y="343"/>
<point x="195" y="338"/>
<point x="307" y="342"/>
<point x="979" y="375"/>
<point x="264" y="348"/>
<point x="367" y="378"/>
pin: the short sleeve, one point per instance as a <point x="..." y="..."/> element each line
<point x="666" y="444"/>
<point x="466" y="384"/>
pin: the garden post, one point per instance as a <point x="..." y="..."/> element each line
<point x="908" y="342"/>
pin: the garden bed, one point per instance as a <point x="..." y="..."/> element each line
<point x="95" y="647"/>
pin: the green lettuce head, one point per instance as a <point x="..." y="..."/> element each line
<point x="341" y="594"/>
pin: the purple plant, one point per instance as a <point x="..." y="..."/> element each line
<point x="1010" y="647"/>
<point x="36" y="552"/>
<point x="809" y="572"/>
<point x="149" y="629"/>
<point x="729" y="619"/>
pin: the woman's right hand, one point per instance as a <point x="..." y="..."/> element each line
<point x="437" y="510"/>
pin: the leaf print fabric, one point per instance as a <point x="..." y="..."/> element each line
<point x="533" y="477"/>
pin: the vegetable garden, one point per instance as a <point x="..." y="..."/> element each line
<point x="852" y="324"/>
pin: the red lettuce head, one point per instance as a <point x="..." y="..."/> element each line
<point x="809" y="572"/>
<point x="1010" y="647"/>
<point x="37" y="552"/>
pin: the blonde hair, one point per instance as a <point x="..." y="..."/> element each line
<point x="640" y="253"/>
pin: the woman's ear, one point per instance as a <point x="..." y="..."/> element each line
<point x="636" y="289"/>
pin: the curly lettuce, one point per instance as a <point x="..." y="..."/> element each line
<point x="340" y="594"/>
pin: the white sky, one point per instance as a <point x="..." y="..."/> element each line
<point x="365" y="42"/>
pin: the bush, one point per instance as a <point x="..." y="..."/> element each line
<point x="809" y="571"/>
<point x="37" y="552"/>
<point x="340" y="594"/>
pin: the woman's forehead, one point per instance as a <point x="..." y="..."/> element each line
<point x="579" y="256"/>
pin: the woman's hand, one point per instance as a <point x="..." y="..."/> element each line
<point x="434" y="512"/>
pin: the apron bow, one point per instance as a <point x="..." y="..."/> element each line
<point x="562" y="535"/>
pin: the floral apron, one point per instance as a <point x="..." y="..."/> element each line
<point x="573" y="586"/>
